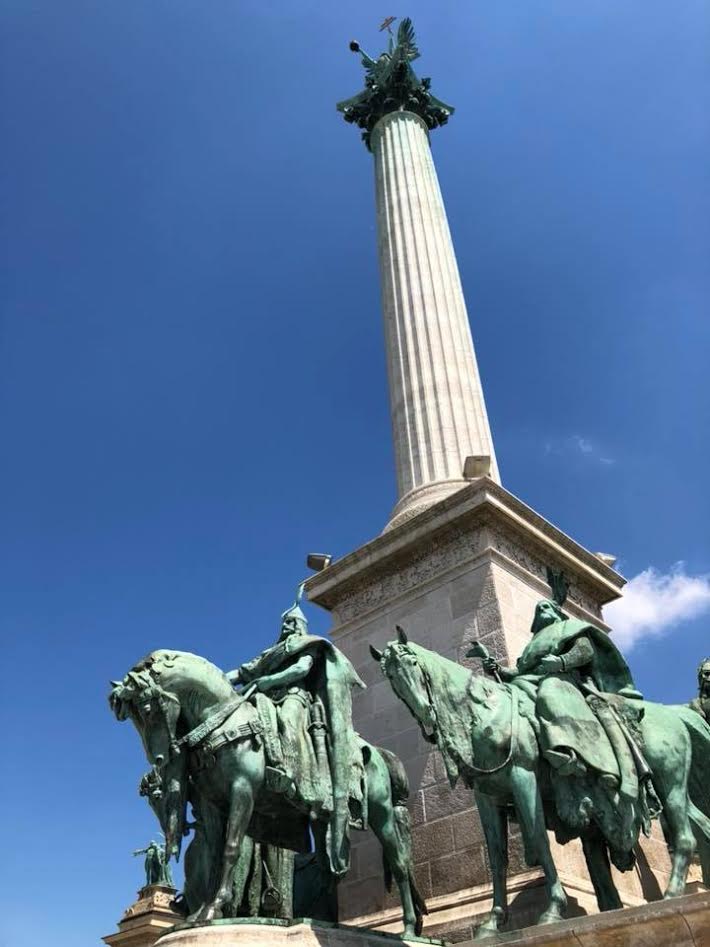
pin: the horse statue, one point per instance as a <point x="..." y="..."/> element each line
<point x="488" y="734"/>
<point x="206" y="745"/>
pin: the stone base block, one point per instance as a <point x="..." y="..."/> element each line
<point x="246" y="932"/>
<point x="678" y="922"/>
<point x="146" y="919"/>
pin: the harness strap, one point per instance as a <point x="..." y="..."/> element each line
<point x="203" y="730"/>
<point x="232" y="734"/>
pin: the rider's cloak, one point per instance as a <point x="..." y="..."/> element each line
<point x="565" y="716"/>
<point x="608" y="669"/>
<point x="331" y="678"/>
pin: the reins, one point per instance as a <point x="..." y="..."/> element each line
<point x="513" y="726"/>
<point x="513" y="737"/>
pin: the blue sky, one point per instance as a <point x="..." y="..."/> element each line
<point x="192" y="379"/>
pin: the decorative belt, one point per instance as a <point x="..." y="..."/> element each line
<point x="215" y="720"/>
<point x="204" y="755"/>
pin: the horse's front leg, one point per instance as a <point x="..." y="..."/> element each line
<point x="682" y="840"/>
<point x="494" y="820"/>
<point x="528" y="804"/>
<point x="241" y="806"/>
<point x="597" y="858"/>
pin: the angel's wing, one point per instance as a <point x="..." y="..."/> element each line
<point x="406" y="39"/>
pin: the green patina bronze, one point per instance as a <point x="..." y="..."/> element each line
<point x="265" y="770"/>
<point x="391" y="85"/>
<point x="157" y="868"/>
<point x="567" y="740"/>
<point x="309" y="684"/>
<point x="701" y="703"/>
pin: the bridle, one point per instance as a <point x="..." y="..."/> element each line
<point x="204" y="738"/>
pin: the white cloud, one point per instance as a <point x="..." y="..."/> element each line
<point x="654" y="603"/>
<point x="583" y="444"/>
<point x="577" y="446"/>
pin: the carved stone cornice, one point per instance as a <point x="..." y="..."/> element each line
<point x="449" y="533"/>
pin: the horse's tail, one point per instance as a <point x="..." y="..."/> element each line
<point x="399" y="784"/>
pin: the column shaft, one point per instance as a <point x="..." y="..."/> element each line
<point x="438" y="410"/>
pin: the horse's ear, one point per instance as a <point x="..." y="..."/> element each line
<point x="115" y="683"/>
<point x="401" y="635"/>
<point x="377" y="655"/>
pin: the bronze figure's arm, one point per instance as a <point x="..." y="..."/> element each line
<point x="580" y="654"/>
<point x="490" y="664"/>
<point x="288" y="676"/>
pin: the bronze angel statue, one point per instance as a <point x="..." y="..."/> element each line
<point x="391" y="85"/>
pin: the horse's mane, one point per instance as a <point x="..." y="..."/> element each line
<point x="163" y="659"/>
<point x="157" y="666"/>
<point x="455" y="693"/>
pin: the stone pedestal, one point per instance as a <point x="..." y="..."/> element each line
<point x="245" y="932"/>
<point x="473" y="566"/>
<point x="680" y="922"/>
<point x="146" y="919"/>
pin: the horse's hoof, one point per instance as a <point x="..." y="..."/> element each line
<point x="491" y="926"/>
<point x="211" y="913"/>
<point x="485" y="931"/>
<point x="551" y="917"/>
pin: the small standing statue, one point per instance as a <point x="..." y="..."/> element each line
<point x="702" y="702"/>
<point x="157" y="869"/>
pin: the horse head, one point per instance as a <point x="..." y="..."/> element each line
<point x="154" y="710"/>
<point x="410" y="681"/>
<point x="149" y="697"/>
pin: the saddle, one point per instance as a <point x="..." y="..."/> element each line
<point x="283" y="788"/>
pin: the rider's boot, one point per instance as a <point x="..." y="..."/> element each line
<point x="339" y="836"/>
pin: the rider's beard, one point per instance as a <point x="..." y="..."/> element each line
<point x="542" y="621"/>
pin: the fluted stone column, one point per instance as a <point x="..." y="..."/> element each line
<point x="471" y="567"/>
<point x="438" y="410"/>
